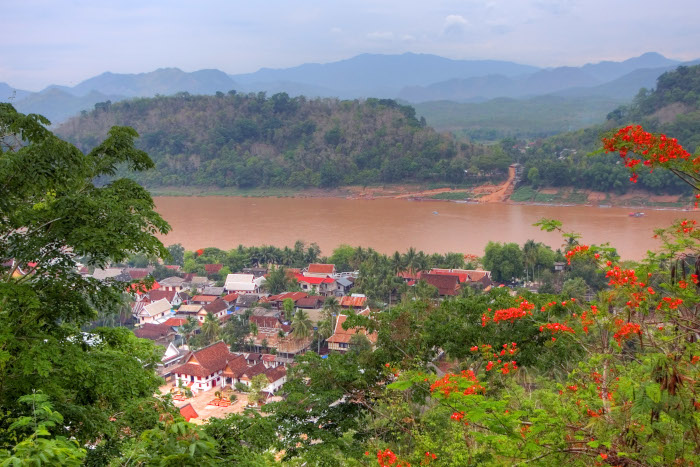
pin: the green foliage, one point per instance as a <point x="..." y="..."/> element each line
<point x="505" y="261"/>
<point x="249" y="141"/>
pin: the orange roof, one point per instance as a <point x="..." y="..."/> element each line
<point x="316" y="268"/>
<point x="465" y="275"/>
<point x="352" y="302"/>
<point x="175" y="322"/>
<point x="204" y="298"/>
<point x="341" y="335"/>
<point x="294" y="296"/>
<point x="232" y="297"/>
<point x="188" y="412"/>
<point x="313" y="280"/>
<point x="141" y="288"/>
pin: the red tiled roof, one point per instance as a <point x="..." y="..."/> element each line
<point x="276" y="373"/>
<point x="268" y="358"/>
<point x="153" y="331"/>
<point x="156" y="295"/>
<point x="213" y="268"/>
<point x="211" y="359"/>
<point x="175" y="322"/>
<point x="141" y="288"/>
<point x="317" y="268"/>
<point x="216" y="306"/>
<point x="254" y="370"/>
<point x="204" y="298"/>
<point x="188" y="412"/>
<point x="138" y="273"/>
<point x="313" y="280"/>
<point x="235" y="367"/>
<point x="465" y="275"/>
<point x="309" y="302"/>
<point x="294" y="296"/>
<point x="446" y="284"/>
<point x="173" y="267"/>
<point x="352" y="302"/>
<point x="341" y="335"/>
<point x="232" y="297"/>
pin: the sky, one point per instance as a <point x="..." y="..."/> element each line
<point x="65" y="42"/>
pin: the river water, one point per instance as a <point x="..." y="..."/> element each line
<point x="388" y="225"/>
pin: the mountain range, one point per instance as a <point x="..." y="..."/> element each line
<point x="413" y="78"/>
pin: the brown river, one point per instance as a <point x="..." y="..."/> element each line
<point x="388" y="225"/>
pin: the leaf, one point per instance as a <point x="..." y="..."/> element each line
<point x="653" y="390"/>
<point x="593" y="444"/>
<point x="400" y="385"/>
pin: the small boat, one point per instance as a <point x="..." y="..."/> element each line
<point x="435" y="213"/>
<point x="636" y="214"/>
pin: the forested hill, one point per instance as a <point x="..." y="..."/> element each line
<point x="249" y="140"/>
<point x="671" y="108"/>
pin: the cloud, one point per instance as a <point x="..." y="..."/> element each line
<point x="380" y="35"/>
<point x="454" y="25"/>
<point x="336" y="30"/>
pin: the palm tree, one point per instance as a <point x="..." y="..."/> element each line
<point x="397" y="263"/>
<point x="288" y="306"/>
<point x="301" y="325"/>
<point x="188" y="329"/>
<point x="530" y="256"/>
<point x="331" y="308"/>
<point x="409" y="260"/>
<point x="325" y="330"/>
<point x="211" y="328"/>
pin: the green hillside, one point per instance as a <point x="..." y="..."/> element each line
<point x="245" y="141"/>
<point x="537" y="117"/>
<point x="670" y="108"/>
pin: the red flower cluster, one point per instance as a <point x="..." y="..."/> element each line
<point x="625" y="330"/>
<point x="451" y="383"/>
<point x="686" y="226"/>
<point x="510" y="314"/>
<point x="621" y="277"/>
<point x="575" y="251"/>
<point x="658" y="150"/>
<point x="457" y="416"/>
<point x="556" y="327"/>
<point x="671" y="303"/>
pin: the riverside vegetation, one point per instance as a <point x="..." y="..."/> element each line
<point x="537" y="378"/>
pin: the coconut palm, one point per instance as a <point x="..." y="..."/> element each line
<point x="530" y="256"/>
<point x="301" y="325"/>
<point x="211" y="328"/>
<point x="324" y="331"/>
<point x="188" y="329"/>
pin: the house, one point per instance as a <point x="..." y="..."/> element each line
<point x="277" y="301"/>
<point x="203" y="369"/>
<point x="136" y="274"/>
<point x="355" y="301"/>
<point x="203" y="299"/>
<point x="197" y="283"/>
<point x="108" y="273"/>
<point x="447" y="285"/>
<point x="218" y="308"/>
<point x="218" y="291"/>
<point x="246" y="300"/>
<point x="190" y="310"/>
<point x="233" y="370"/>
<point x="257" y="272"/>
<point x="288" y="348"/>
<point x="171" y="357"/>
<point x="312" y="302"/>
<point x="473" y="277"/>
<point x="341" y="339"/>
<point x="154" y="311"/>
<point x="320" y="270"/>
<point x="276" y="376"/>
<point x="343" y="285"/>
<point x="175" y="322"/>
<point x="243" y="283"/>
<point x="313" y="284"/>
<point x="231" y="298"/>
<point x="159" y="333"/>
<point x="173" y="283"/>
<point x="169" y="295"/>
<point x="184" y="297"/>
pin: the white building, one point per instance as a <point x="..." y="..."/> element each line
<point x="243" y="283"/>
<point x="154" y="311"/>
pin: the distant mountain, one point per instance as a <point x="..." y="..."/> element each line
<point x="7" y="92"/>
<point x="165" y="81"/>
<point x="368" y="75"/>
<point x="58" y="105"/>
<point x="608" y="71"/>
<point x="489" y="87"/>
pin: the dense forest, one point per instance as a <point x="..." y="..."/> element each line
<point x="672" y="108"/>
<point x="250" y="140"/>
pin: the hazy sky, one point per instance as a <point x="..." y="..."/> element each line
<point x="65" y="42"/>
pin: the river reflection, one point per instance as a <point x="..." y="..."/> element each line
<point x="393" y="224"/>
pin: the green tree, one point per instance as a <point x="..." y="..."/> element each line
<point x="505" y="261"/>
<point x="57" y="205"/>
<point x="257" y="385"/>
<point x="211" y="328"/>
<point x="301" y="325"/>
<point x="177" y="254"/>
